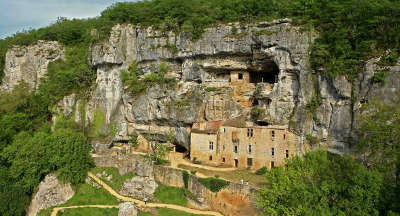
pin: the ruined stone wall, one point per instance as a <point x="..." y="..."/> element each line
<point x="169" y="176"/>
<point x="233" y="200"/>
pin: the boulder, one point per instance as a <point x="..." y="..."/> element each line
<point x="139" y="187"/>
<point x="127" y="209"/>
<point x="51" y="193"/>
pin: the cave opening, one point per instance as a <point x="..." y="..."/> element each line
<point x="181" y="149"/>
<point x="262" y="123"/>
<point x="268" y="73"/>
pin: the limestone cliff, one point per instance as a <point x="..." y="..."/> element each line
<point x="29" y="63"/>
<point x="272" y="57"/>
<point x="275" y="52"/>
<point x="275" y="55"/>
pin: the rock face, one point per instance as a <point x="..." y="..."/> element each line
<point x="29" y="63"/>
<point x="127" y="209"/>
<point x="274" y="53"/>
<point x="272" y="57"/>
<point x="51" y="193"/>
<point x="139" y="187"/>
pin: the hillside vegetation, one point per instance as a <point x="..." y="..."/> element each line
<point x="350" y="32"/>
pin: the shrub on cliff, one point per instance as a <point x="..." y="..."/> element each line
<point x="213" y="184"/>
<point x="137" y="84"/>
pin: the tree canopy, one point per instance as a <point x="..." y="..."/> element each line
<point x="321" y="183"/>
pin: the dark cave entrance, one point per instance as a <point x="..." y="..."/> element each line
<point x="268" y="73"/>
<point x="179" y="148"/>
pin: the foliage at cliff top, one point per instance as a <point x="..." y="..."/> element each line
<point x="350" y="30"/>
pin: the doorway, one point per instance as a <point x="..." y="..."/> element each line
<point x="236" y="163"/>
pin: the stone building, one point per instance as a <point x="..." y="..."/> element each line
<point x="241" y="144"/>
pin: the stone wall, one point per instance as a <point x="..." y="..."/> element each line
<point x="169" y="176"/>
<point x="233" y="200"/>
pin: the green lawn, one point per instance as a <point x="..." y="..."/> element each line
<point x="117" y="180"/>
<point x="167" y="212"/>
<point x="86" y="195"/>
<point x="170" y="195"/>
<point x="89" y="212"/>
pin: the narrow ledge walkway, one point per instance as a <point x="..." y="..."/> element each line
<point x="139" y="203"/>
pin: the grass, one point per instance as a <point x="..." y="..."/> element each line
<point x="213" y="184"/>
<point x="171" y="212"/>
<point x="117" y="180"/>
<point x="235" y="176"/>
<point x="89" y="211"/>
<point x="86" y="195"/>
<point x="166" y="212"/>
<point x="170" y="195"/>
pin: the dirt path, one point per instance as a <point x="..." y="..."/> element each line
<point x="56" y="210"/>
<point x="187" y="163"/>
<point x="150" y="205"/>
<point x="139" y="203"/>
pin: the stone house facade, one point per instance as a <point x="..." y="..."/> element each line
<point x="242" y="145"/>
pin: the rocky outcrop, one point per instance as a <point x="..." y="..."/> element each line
<point x="139" y="187"/>
<point x="127" y="209"/>
<point x="50" y="193"/>
<point x="274" y="55"/>
<point x="202" y="68"/>
<point x="29" y="63"/>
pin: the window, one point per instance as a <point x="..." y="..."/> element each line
<point x="211" y="145"/>
<point x="223" y="160"/>
<point x="223" y="147"/>
<point x="249" y="162"/>
<point x="210" y="158"/>
<point x="272" y="151"/>
<point x="235" y="149"/>
<point x="240" y="76"/>
<point x="224" y="130"/>
<point x="284" y="136"/>
<point x="273" y="134"/>
<point x="236" y="162"/>
<point x="287" y="153"/>
<point x="250" y="132"/>
<point x="249" y="148"/>
<point x="272" y="164"/>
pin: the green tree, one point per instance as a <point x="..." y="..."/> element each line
<point x="379" y="148"/>
<point x="321" y="183"/>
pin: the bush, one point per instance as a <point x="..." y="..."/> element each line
<point x="262" y="171"/>
<point x="321" y="183"/>
<point x="380" y="77"/>
<point x="185" y="176"/>
<point x="257" y="113"/>
<point x="213" y="184"/>
<point x="137" y="85"/>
